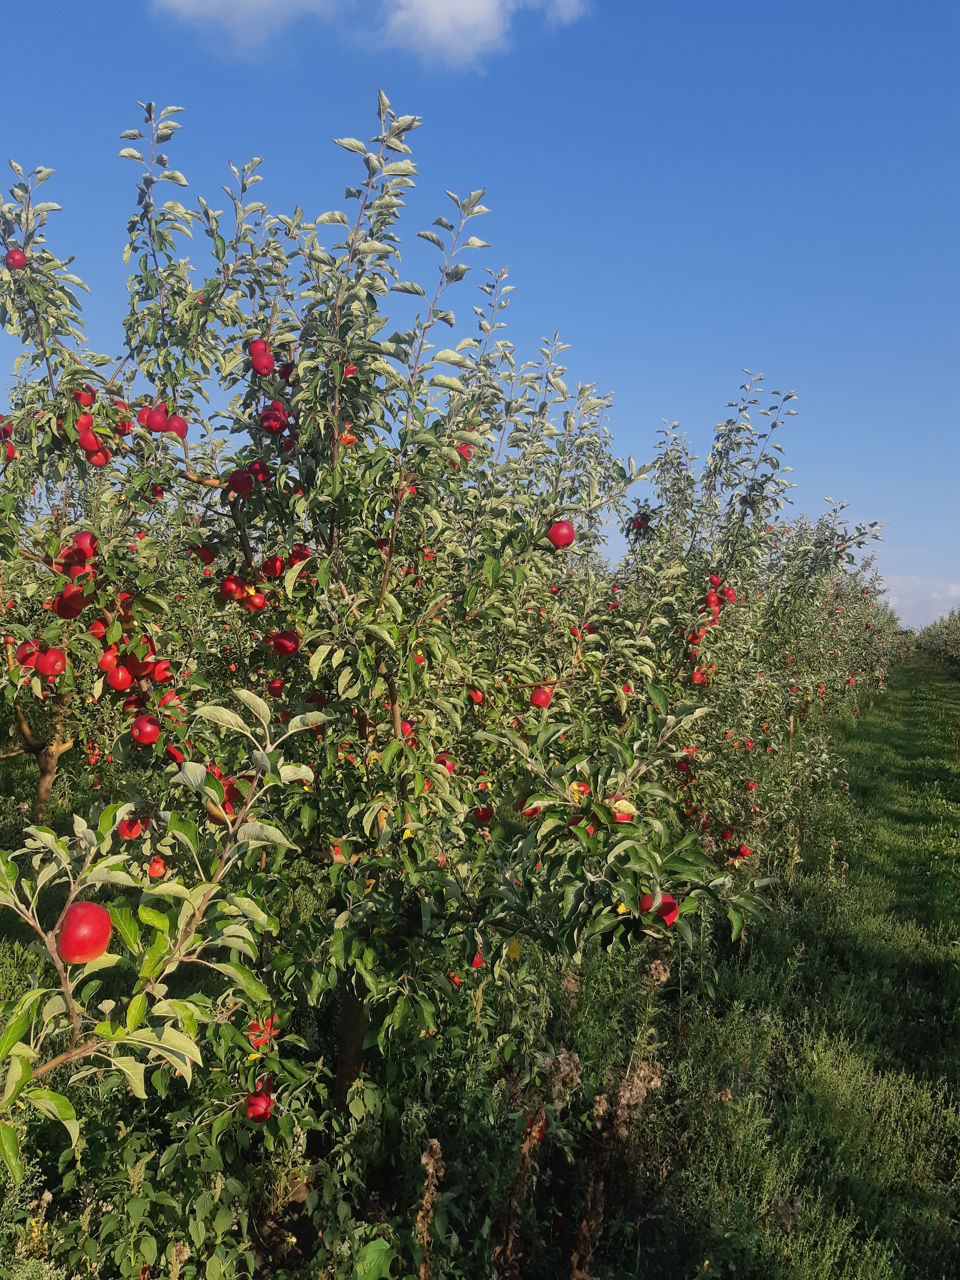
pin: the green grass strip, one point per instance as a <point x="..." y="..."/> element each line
<point x="812" y="1128"/>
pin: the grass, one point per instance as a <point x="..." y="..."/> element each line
<point x="812" y="1128"/>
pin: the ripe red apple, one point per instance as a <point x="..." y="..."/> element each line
<point x="262" y="363"/>
<point x="258" y="347"/>
<point x="272" y="566"/>
<point x="241" y="483"/>
<point x="177" y="425"/>
<point x="99" y="457"/>
<point x="483" y="813"/>
<point x="130" y="828"/>
<point x="667" y="910"/>
<point x="51" y="663"/>
<point x="447" y="763"/>
<point x="253" y="602"/>
<point x="258" y="1106"/>
<point x="273" y="418"/>
<point x="715" y="579"/>
<point x="85" y="932"/>
<point x="156" y="868"/>
<point x="145" y="730"/>
<point x="15" y="260"/>
<point x="475" y="695"/>
<point x="285" y="643"/>
<point x="27" y="653"/>
<point x="86" y="542"/>
<point x="232" y="587"/>
<point x="561" y="534"/>
<point x="541" y="697"/>
<point x="156" y="418"/>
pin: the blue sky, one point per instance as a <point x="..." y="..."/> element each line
<point x="683" y="191"/>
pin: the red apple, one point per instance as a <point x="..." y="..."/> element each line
<point x="156" y="868"/>
<point x="85" y="932"/>
<point x="561" y="534"/>
<point x="541" y="697"/>
<point x="15" y="260"/>
<point x="241" y="483"/>
<point x="51" y="663"/>
<point x="145" y="730"/>
<point x="156" y="418"/>
<point x="177" y="425"/>
<point x="258" y="1106"/>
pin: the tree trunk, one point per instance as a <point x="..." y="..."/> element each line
<point x="351" y="1029"/>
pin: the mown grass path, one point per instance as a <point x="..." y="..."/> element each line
<point x="818" y="1100"/>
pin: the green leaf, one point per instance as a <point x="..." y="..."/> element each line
<point x="309" y="720"/>
<point x="18" y="1073"/>
<point x="351" y="144"/>
<point x="136" y="1011"/>
<point x="134" y="1072"/>
<point x="155" y="918"/>
<point x="20" y="1021"/>
<point x="375" y="1260"/>
<point x="191" y="775"/>
<point x="255" y="704"/>
<point x="736" y="923"/>
<point x="223" y="718"/>
<point x="10" y="1151"/>
<point x="126" y="926"/>
<point x="242" y="977"/>
<point x="262" y="833"/>
<point x="56" y="1107"/>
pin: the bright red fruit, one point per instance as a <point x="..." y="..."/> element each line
<point x="667" y="910"/>
<point x="86" y="542"/>
<point x="475" y="695"/>
<point x="156" y="868"/>
<point x="483" y="813"/>
<point x="561" y="534"/>
<point x="262" y="363"/>
<point x="130" y="828"/>
<point x="272" y="567"/>
<point x="177" y="425"/>
<point x="232" y="587"/>
<point x="119" y="679"/>
<point x="85" y="932"/>
<point x="51" y="663"/>
<point x="145" y="730"/>
<point x="541" y="697"/>
<point x="15" y="260"/>
<point x="258" y="1106"/>
<point x="156" y="418"/>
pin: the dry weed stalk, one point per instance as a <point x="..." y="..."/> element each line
<point x="432" y="1161"/>
<point x="563" y="1078"/>
<point x="614" y="1124"/>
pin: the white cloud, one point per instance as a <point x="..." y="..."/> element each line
<point x="920" y="600"/>
<point x="456" y="31"/>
